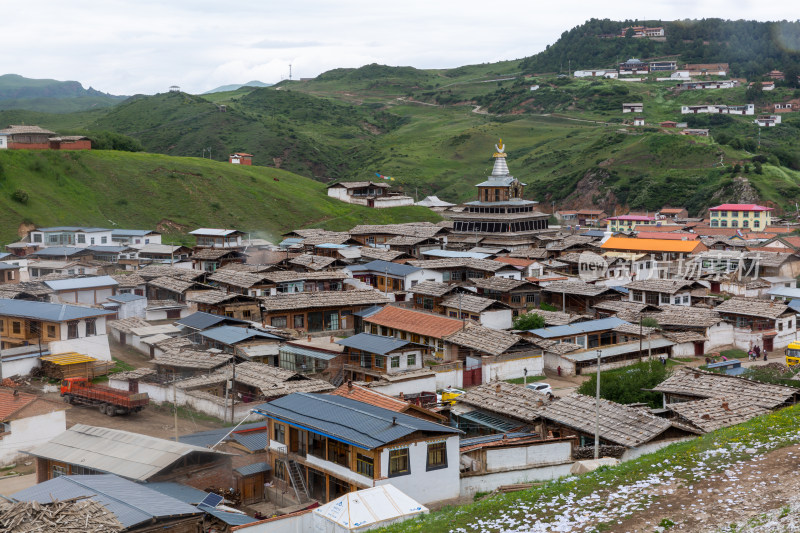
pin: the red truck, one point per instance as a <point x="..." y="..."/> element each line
<point x="110" y="401"/>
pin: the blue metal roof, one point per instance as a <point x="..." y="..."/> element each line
<point x="374" y="343"/>
<point x="47" y="311"/>
<point x="252" y="440"/>
<point x="201" y="320"/>
<point x="359" y="424"/>
<point x="81" y="283"/>
<point x="110" y="249"/>
<point x="333" y="246"/>
<point x="578" y="328"/>
<point x="132" y="503"/>
<point x="492" y="421"/>
<point x="794" y="305"/>
<point x="213" y="436"/>
<point x="59" y="251"/>
<point x="6" y="255"/>
<point x="368" y="312"/>
<point x="6" y="266"/>
<point x="380" y="266"/>
<point x="594" y="233"/>
<point x="232" y="519"/>
<point x="784" y="292"/>
<point x="255" y="468"/>
<point x="132" y="232"/>
<point x="234" y="334"/>
<point x="184" y="493"/>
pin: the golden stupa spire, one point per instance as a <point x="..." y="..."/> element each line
<point x="500" y="147"/>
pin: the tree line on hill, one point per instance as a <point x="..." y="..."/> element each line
<point x="751" y="48"/>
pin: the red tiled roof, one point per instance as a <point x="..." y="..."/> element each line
<point x="671" y="210"/>
<point x="667" y="228"/>
<point x="651" y="245"/>
<point x="740" y="207"/>
<point x="516" y="261"/>
<point x="791" y="241"/>
<point x="778" y="229"/>
<point x="424" y="324"/>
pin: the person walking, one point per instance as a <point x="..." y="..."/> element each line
<point x="757" y="350"/>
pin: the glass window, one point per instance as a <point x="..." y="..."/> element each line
<point x="437" y="456"/>
<point x="72" y="330"/>
<point x="338" y="452"/>
<point x="51" y="331"/>
<point x="279" y="433"/>
<point x="91" y="327"/>
<point x="299" y="321"/>
<point x="365" y="465"/>
<point x="279" y="471"/>
<point x="378" y="362"/>
<point x="398" y="462"/>
<point x="16" y="327"/>
<point x="412" y="357"/>
<point x="396" y="361"/>
<point x="59" y="471"/>
<point x="81" y="238"/>
<point x="278" y="321"/>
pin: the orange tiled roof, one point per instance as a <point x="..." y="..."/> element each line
<point x="650" y="245"/>
<point x="10" y="404"/>
<point x="361" y="394"/>
<point x="516" y="261"/>
<point x="417" y="322"/>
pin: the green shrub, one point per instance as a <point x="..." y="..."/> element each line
<point x="20" y="196"/>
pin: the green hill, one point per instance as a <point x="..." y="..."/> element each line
<point x="175" y="194"/>
<point x="52" y="96"/>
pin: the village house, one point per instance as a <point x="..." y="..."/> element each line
<point x="661" y="66"/>
<point x="371" y="357"/>
<point x="289" y="281"/>
<point x="520" y="295"/>
<point x="720" y="109"/>
<point x="319" y="357"/>
<point x="413" y="246"/>
<point x="633" y="66"/>
<point x="661" y="249"/>
<point x="690" y="384"/>
<point x="371" y="235"/>
<point x="211" y="259"/>
<point x="134" y="507"/>
<point x="169" y="288"/>
<point x="135" y="238"/>
<point x="766" y="323"/>
<point x="316" y="451"/>
<point x="314" y="263"/>
<point x="487" y="312"/>
<point x="663" y="291"/>
<point x="238" y="282"/>
<point x="58" y="328"/>
<point x="715" y="413"/>
<point x="27" y="421"/>
<point x="629" y="222"/>
<point x="590" y="217"/>
<point x="241" y="158"/>
<point x="163" y="254"/>
<point x="575" y="296"/>
<point x="697" y="132"/>
<point x="72" y="236"/>
<point x="712" y="84"/>
<point x="93" y="290"/>
<point x="768" y="121"/>
<point x="633" y="108"/>
<point x="185" y="363"/>
<point x="675" y="213"/>
<point x="21" y="137"/>
<point x="228" y="239"/>
<point x="89" y="450"/>
<point x="246" y="343"/>
<point x="415" y="326"/>
<point x="628" y="431"/>
<point x="9" y="274"/>
<point x="315" y="312"/>
<point x="229" y="304"/>
<point x="368" y="193"/>
<point x="392" y="277"/>
<point x="199" y="321"/>
<point x="428" y="295"/>
<point x="400" y="404"/>
<point x="455" y="270"/>
<point x="751" y="216"/>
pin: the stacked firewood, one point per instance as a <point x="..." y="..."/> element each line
<point x="67" y="516"/>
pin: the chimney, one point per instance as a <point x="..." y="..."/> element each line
<point x="497" y="387"/>
<point x="350" y="384"/>
<point x="309" y="338"/>
<point x="696" y="375"/>
<point x="394" y="420"/>
<point x="401" y="395"/>
<point x="725" y="406"/>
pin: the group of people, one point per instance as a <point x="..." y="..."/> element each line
<point x="754" y="354"/>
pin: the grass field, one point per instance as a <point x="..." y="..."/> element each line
<point x="176" y="194"/>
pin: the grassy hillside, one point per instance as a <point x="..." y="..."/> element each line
<point x="51" y="96"/>
<point x="136" y="190"/>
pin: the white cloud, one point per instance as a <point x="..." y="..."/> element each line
<point x="128" y="47"/>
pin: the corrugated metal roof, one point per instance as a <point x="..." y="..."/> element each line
<point x="68" y="358"/>
<point x="252" y="440"/>
<point x="618" y="349"/>
<point x="484" y="419"/>
<point x="215" y="232"/>
<point x="201" y="320"/>
<point x="255" y="468"/>
<point x="47" y="311"/>
<point x="360" y="424"/>
<point x="184" y="493"/>
<point x="307" y="352"/>
<point x="71" y="228"/>
<point x="368" y="312"/>
<point x="454" y="253"/>
<point x="131" y="502"/>
<point x="578" y="328"/>
<point x="380" y="266"/>
<point x="234" y="334"/>
<point x="130" y="455"/>
<point x="232" y="519"/>
<point x="59" y="251"/>
<point x="81" y="283"/>
<point x="374" y="343"/>
<point x="213" y="436"/>
<point x="132" y="232"/>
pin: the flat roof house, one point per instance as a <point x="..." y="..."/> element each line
<point x="325" y="446"/>
<point x="218" y="238"/>
<point x="315" y="312"/>
<point x="369" y="357"/>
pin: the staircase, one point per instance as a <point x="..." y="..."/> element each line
<point x="298" y="483"/>
<point x="338" y="379"/>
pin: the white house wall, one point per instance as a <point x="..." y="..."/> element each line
<point x="95" y="346"/>
<point x="134" y="308"/>
<point x="650" y="447"/>
<point x="422" y="485"/>
<point x="494" y="370"/>
<point x="27" y="433"/>
<point x="500" y="319"/>
<point x="449" y="378"/>
<point x="20" y="367"/>
<point x="425" y="383"/>
<point x="489" y="482"/>
<point x="422" y="275"/>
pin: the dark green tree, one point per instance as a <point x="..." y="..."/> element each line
<point x="528" y="321"/>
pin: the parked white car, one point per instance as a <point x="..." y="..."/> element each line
<point x="543" y="388"/>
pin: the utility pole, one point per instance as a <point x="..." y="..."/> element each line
<point x="290" y="72"/>
<point x="597" y="411"/>
<point x="641" y="327"/>
<point x="175" y="408"/>
<point x="233" y="384"/>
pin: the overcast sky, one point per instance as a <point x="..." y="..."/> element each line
<point x="144" y="46"/>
